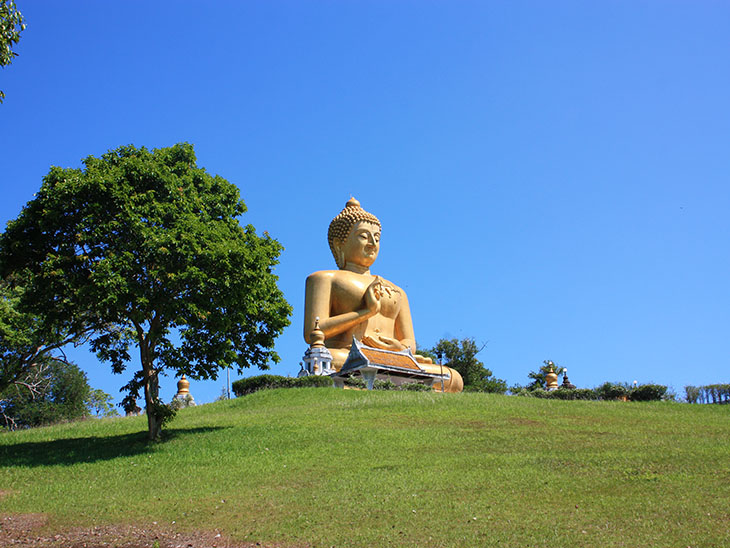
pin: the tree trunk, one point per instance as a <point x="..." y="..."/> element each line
<point x="151" y="391"/>
<point x="151" y="388"/>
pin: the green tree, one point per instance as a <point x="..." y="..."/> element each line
<point x="26" y="341"/>
<point x="461" y="355"/>
<point x="143" y="248"/>
<point x="100" y="403"/>
<point x="11" y="25"/>
<point x="60" y="395"/>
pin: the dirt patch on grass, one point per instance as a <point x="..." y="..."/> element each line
<point x="31" y="530"/>
<point x="519" y="421"/>
<point x="475" y="425"/>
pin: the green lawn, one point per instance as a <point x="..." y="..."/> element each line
<point x="329" y="467"/>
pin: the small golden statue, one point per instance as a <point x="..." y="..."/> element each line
<point x="352" y="302"/>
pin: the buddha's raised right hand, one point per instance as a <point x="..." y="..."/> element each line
<point x="373" y="294"/>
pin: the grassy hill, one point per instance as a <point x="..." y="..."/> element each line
<point x="326" y="467"/>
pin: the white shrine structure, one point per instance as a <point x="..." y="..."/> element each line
<point x="317" y="359"/>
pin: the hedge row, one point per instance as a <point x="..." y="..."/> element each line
<point x="359" y="382"/>
<point x="607" y="391"/>
<point x="250" y="385"/>
<point x="711" y="393"/>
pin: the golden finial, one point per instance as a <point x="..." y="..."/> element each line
<point x="317" y="336"/>
<point x="183" y="386"/>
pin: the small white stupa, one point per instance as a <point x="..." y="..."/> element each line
<point x="317" y="358"/>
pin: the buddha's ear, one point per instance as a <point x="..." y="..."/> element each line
<point x="339" y="253"/>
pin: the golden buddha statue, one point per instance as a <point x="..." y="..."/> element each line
<point x="352" y="302"/>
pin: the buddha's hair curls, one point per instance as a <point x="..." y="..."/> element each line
<point x="342" y="224"/>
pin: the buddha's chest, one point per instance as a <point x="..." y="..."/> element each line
<point x="349" y="295"/>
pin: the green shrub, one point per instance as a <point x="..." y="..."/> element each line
<point x="533" y="392"/>
<point x="250" y="385"/>
<point x="491" y="386"/>
<point x="415" y="387"/>
<point x="355" y="382"/>
<point x="164" y="413"/>
<point x="648" y="392"/>
<point x="383" y="385"/>
<point x="572" y="394"/>
<point x="318" y="381"/>
<point x="607" y="391"/>
<point x="359" y="382"/>
<point x="559" y="394"/>
<point x="612" y="391"/>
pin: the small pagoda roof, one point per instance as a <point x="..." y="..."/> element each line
<point x="377" y="356"/>
<point x="401" y="363"/>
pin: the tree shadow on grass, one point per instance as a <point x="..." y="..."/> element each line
<point x="90" y="449"/>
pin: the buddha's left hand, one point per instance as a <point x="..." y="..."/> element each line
<point x="384" y="343"/>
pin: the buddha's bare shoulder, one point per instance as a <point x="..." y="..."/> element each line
<point x="326" y="276"/>
<point x="339" y="276"/>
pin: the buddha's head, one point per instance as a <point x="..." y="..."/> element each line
<point x="354" y="236"/>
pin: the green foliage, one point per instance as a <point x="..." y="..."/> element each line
<point x="493" y="385"/>
<point x="356" y="382"/>
<point x="384" y="385"/>
<point x="313" y="381"/>
<point x="387" y="384"/>
<point x="415" y="387"/>
<point x="11" y="25"/>
<point x="692" y="394"/>
<point x="461" y="355"/>
<point x="253" y="384"/>
<point x="164" y="413"/>
<point x="576" y="394"/>
<point x="648" y="392"/>
<point x="100" y="403"/>
<point x="144" y="248"/>
<point x="250" y="385"/>
<point x="181" y="403"/>
<point x="60" y="394"/>
<point x="613" y="391"/>
<point x="711" y="393"/>
<point x="562" y="394"/>
<point x="607" y="392"/>
<point x="26" y="341"/>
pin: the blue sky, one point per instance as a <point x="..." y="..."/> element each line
<point x="552" y="177"/>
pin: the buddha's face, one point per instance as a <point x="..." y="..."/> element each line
<point x="362" y="244"/>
